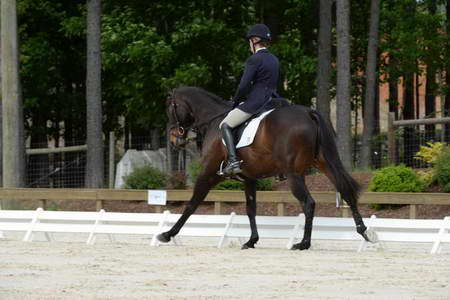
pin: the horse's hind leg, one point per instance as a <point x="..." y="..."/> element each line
<point x="202" y="187"/>
<point x="300" y="191"/>
<point x="343" y="187"/>
<point x="250" y="195"/>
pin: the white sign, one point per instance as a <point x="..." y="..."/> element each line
<point x="157" y="197"/>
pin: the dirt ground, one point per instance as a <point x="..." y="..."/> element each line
<point x="131" y="269"/>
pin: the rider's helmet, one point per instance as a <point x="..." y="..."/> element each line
<point x="261" y="31"/>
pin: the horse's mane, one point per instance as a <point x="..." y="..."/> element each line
<point x="192" y="92"/>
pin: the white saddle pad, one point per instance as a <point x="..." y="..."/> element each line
<point x="250" y="131"/>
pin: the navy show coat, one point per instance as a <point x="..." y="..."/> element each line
<point x="259" y="82"/>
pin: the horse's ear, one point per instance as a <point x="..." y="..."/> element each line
<point x="170" y="94"/>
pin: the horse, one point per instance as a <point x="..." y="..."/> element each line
<point x="290" y="140"/>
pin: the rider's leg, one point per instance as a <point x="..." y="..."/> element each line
<point x="232" y="120"/>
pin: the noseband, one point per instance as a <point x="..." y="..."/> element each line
<point x="181" y="130"/>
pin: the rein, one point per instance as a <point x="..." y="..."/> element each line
<point x="195" y="126"/>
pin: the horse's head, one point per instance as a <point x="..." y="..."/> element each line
<point x="180" y="119"/>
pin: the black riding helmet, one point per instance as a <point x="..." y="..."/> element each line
<point x="259" y="30"/>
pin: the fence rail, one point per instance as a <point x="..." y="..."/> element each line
<point x="281" y="198"/>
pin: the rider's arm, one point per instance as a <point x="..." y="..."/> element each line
<point x="251" y="67"/>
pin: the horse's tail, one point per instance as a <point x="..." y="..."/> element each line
<point x="326" y="145"/>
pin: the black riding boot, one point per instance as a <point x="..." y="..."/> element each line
<point x="233" y="165"/>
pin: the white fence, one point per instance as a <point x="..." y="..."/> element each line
<point x="223" y="227"/>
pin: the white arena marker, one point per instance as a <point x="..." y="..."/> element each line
<point x="157" y="197"/>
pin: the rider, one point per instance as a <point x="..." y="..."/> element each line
<point x="257" y="86"/>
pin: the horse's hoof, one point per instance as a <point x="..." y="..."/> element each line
<point x="162" y="238"/>
<point x="246" y="246"/>
<point x="301" y="246"/>
<point x="370" y="236"/>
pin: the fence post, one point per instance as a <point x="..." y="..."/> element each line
<point x="412" y="211"/>
<point x="217" y="208"/>
<point x="280" y="209"/>
<point x="112" y="143"/>
<point x="98" y="205"/>
<point x="391" y="138"/>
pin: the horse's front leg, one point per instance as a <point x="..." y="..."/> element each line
<point x="202" y="187"/>
<point x="250" y="196"/>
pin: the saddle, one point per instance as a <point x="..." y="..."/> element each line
<point x="271" y="104"/>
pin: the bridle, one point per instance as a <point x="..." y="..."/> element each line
<point x="195" y="127"/>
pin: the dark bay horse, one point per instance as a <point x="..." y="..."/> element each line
<point x="290" y="140"/>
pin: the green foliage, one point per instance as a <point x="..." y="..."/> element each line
<point x="431" y="152"/>
<point x="265" y="184"/>
<point x="194" y="169"/>
<point x="442" y="170"/>
<point x="146" y="177"/>
<point x="396" y="179"/>
<point x="229" y="184"/>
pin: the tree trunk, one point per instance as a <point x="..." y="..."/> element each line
<point x="95" y="160"/>
<point x="324" y="56"/>
<point x="447" y="77"/>
<point x="12" y="110"/>
<point x="408" y="114"/>
<point x="371" y="80"/>
<point x="430" y="86"/>
<point x="343" y="87"/>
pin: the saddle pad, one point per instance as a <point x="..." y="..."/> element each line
<point x="250" y="130"/>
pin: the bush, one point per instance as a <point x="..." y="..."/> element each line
<point x="265" y="184"/>
<point x="229" y="184"/>
<point x="442" y="170"/>
<point x="396" y="179"/>
<point x="145" y="178"/>
<point x="193" y="169"/>
<point x="430" y="152"/>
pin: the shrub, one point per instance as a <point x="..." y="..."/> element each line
<point x="442" y="170"/>
<point x="145" y="178"/>
<point x="229" y="184"/>
<point x="193" y="169"/>
<point x="265" y="184"/>
<point x="396" y="179"/>
<point x="430" y="152"/>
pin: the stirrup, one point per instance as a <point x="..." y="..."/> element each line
<point x="232" y="168"/>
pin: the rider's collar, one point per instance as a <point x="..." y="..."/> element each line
<point x="260" y="49"/>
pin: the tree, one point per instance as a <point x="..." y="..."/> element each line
<point x="95" y="164"/>
<point x="447" y="73"/>
<point x="431" y="51"/>
<point x="324" y="59"/>
<point x="12" y="108"/>
<point x="371" y="81"/>
<point x="343" y="85"/>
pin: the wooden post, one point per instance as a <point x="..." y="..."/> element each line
<point x="217" y="208"/>
<point x="158" y="209"/>
<point x="391" y="138"/>
<point x="112" y="147"/>
<point x="280" y="209"/>
<point x="98" y="205"/>
<point x="412" y="211"/>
